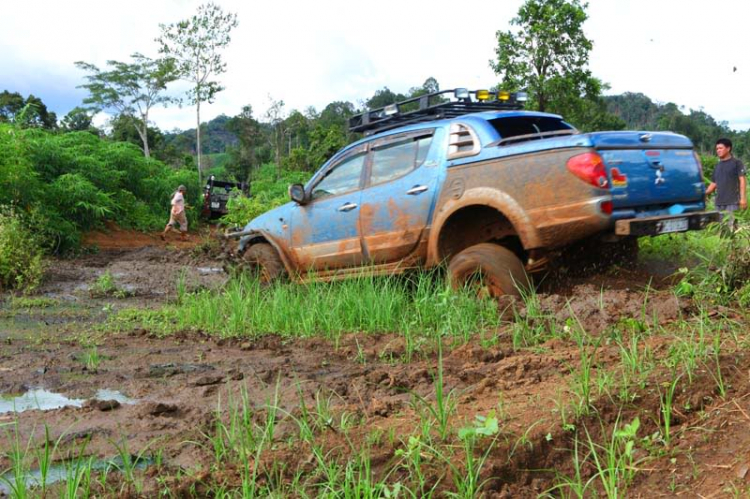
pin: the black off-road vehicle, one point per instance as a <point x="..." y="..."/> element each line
<point x="216" y="193"/>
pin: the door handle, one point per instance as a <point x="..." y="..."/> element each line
<point x="348" y="207"/>
<point x="417" y="189"/>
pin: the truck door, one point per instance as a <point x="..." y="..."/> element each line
<point x="325" y="232"/>
<point x="398" y="199"/>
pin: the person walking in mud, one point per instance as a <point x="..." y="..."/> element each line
<point x="177" y="215"/>
<point x="728" y="181"/>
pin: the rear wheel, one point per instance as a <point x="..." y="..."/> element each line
<point x="495" y="270"/>
<point x="265" y="261"/>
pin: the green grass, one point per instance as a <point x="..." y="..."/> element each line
<point x="421" y="304"/>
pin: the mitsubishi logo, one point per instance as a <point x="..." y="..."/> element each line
<point x="659" y="178"/>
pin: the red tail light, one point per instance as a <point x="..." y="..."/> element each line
<point x="589" y="167"/>
<point x="606" y="207"/>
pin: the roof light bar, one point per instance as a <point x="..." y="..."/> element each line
<point x="443" y="104"/>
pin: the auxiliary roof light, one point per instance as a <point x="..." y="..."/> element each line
<point x="503" y="95"/>
<point x="462" y="93"/>
<point x="483" y="95"/>
<point x="391" y="109"/>
<point x="522" y="96"/>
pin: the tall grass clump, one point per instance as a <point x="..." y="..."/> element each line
<point x="21" y="265"/>
<point x="722" y="270"/>
<point x="421" y="303"/>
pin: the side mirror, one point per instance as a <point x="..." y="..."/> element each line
<point x="297" y="193"/>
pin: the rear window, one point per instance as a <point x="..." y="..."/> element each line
<point x="516" y="126"/>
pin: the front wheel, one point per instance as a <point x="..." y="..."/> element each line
<point x="496" y="270"/>
<point x="263" y="259"/>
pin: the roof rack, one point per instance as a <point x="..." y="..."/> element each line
<point x="435" y="106"/>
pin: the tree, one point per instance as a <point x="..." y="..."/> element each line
<point x="131" y="89"/>
<point x="28" y="113"/>
<point x="125" y="129"/>
<point x="244" y="156"/>
<point x="195" y="45"/>
<point x="548" y="45"/>
<point x="78" y="120"/>
<point x="275" y="116"/>
<point x="547" y="55"/>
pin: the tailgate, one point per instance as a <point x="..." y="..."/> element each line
<point x="650" y="169"/>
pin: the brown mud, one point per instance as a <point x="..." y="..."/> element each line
<point x="180" y="381"/>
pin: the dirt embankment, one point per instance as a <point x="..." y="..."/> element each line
<point x="178" y="383"/>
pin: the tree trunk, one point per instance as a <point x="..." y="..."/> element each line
<point x="198" y="140"/>
<point x="144" y="137"/>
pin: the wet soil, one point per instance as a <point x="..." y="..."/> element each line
<point x="179" y="382"/>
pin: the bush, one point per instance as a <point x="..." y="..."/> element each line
<point x="21" y="264"/>
<point x="66" y="184"/>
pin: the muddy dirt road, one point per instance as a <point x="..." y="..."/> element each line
<point x="160" y="396"/>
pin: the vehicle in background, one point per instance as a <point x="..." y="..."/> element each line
<point x="468" y="178"/>
<point x="216" y="194"/>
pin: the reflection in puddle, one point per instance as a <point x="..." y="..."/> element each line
<point x="46" y="400"/>
<point x="69" y="470"/>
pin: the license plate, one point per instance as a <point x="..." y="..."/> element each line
<point x="672" y="225"/>
<point x="215" y="205"/>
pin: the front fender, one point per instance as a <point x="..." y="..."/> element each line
<point x="484" y="196"/>
<point x="263" y="236"/>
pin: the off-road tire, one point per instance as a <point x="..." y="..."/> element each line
<point x="265" y="262"/>
<point x="499" y="269"/>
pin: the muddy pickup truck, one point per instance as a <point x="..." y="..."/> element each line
<point x="468" y="178"/>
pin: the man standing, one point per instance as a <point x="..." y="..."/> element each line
<point x="728" y="181"/>
<point x="177" y="215"/>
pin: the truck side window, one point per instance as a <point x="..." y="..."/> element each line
<point x="343" y="178"/>
<point x="395" y="160"/>
<point x="515" y="126"/>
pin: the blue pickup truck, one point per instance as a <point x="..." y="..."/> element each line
<point x="470" y="179"/>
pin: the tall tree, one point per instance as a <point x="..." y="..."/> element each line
<point x="195" y="45"/>
<point x="131" y="89"/>
<point x="547" y="53"/>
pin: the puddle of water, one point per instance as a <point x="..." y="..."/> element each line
<point x="46" y="400"/>
<point x="209" y="270"/>
<point x="62" y="472"/>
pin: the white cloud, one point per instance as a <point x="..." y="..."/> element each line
<point x="312" y="53"/>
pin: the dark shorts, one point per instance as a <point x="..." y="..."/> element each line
<point x="728" y="207"/>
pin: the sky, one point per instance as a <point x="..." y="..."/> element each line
<point x="310" y="53"/>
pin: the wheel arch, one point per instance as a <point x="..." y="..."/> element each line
<point x="484" y="200"/>
<point x="256" y="237"/>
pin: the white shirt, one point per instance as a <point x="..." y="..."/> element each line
<point x="178" y="203"/>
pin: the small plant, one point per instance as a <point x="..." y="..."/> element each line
<point x="444" y="405"/>
<point x="91" y="359"/>
<point x="666" y="400"/>
<point x="105" y="286"/>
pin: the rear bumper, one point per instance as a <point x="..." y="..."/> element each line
<point x="654" y="226"/>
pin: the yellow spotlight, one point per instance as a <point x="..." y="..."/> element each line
<point x="483" y="95"/>
<point x="503" y="95"/>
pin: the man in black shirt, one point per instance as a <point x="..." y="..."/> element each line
<point x="728" y="180"/>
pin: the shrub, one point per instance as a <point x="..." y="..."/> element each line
<point x="21" y="264"/>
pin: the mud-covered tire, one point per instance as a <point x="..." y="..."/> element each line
<point x="263" y="260"/>
<point x="499" y="269"/>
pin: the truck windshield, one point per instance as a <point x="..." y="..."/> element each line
<point x="529" y="127"/>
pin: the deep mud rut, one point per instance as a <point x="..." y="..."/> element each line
<point x="179" y="382"/>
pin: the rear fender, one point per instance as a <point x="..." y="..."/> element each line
<point x="483" y="196"/>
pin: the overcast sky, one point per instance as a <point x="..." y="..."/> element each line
<point x="310" y="53"/>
